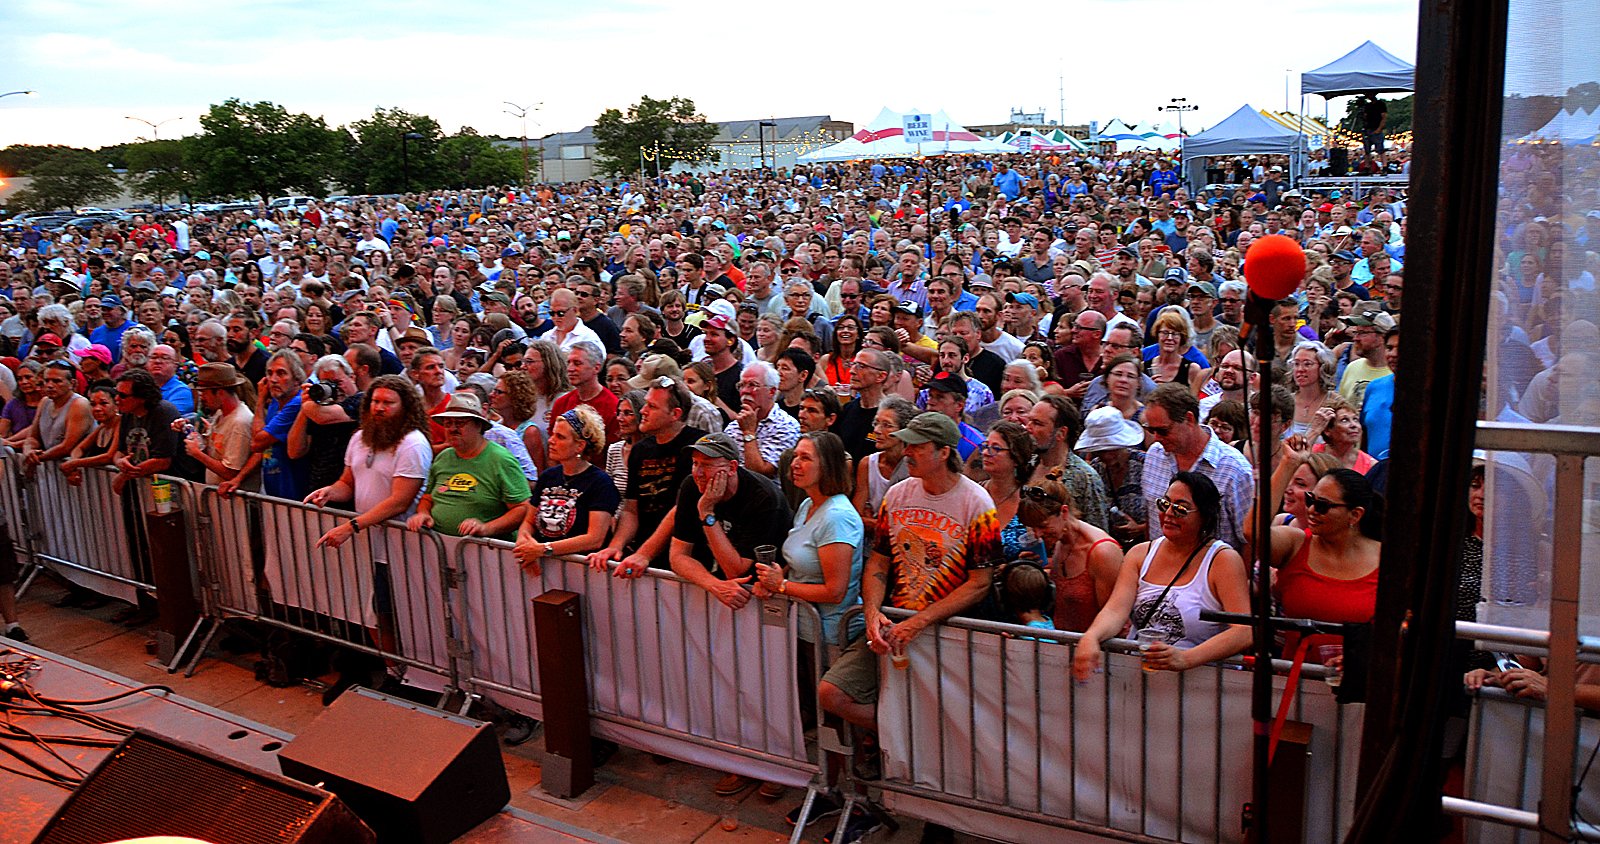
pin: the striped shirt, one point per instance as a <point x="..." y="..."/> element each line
<point x="1220" y="462"/>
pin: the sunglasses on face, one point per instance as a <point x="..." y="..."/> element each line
<point x="1167" y="505"/>
<point x="1321" y="506"/>
<point x="561" y="313"/>
<point x="1037" y="493"/>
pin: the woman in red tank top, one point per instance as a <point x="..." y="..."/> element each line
<point x="1084" y="560"/>
<point x="1328" y="570"/>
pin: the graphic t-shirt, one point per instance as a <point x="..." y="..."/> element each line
<point x="482" y="488"/>
<point x="565" y="503"/>
<point x="655" y="473"/>
<point x="933" y="541"/>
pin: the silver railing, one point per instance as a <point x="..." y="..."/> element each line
<point x="1553" y="819"/>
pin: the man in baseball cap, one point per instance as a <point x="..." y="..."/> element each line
<point x="947" y="395"/>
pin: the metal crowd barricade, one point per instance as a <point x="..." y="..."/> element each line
<point x="1503" y="769"/>
<point x="671" y="670"/>
<point x="384" y="592"/>
<point x="85" y="534"/>
<point x="14" y="514"/>
<point x="986" y="732"/>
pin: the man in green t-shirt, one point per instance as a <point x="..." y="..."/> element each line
<point x="475" y="487"/>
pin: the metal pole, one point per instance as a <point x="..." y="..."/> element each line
<point x="1261" y="592"/>
<point x="405" y="162"/>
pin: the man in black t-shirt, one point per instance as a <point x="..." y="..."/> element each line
<point x="869" y="373"/>
<point x="657" y="467"/>
<point x="322" y="432"/>
<point x="146" y="443"/>
<point x="724" y="513"/>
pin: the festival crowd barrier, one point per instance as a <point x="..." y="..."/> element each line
<point x="984" y="731"/>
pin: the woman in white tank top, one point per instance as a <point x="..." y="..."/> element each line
<point x="1165" y="584"/>
<point x="872" y="483"/>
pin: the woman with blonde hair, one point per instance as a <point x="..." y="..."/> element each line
<point x="1174" y="337"/>
<point x="1311" y="374"/>
<point x="547" y="366"/>
<point x="515" y="400"/>
<point x="573" y="500"/>
<point x="1084" y="560"/>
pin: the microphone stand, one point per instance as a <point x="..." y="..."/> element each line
<point x="1256" y="313"/>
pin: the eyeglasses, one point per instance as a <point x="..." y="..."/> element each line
<point x="1159" y="430"/>
<point x="856" y="363"/>
<point x="1321" y="506"/>
<point x="990" y="448"/>
<point x="561" y="313"/>
<point x="1167" y="505"/>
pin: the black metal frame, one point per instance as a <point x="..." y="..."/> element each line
<point x="1460" y="88"/>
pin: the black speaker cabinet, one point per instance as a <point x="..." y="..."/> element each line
<point x="152" y="785"/>
<point x="1338" y="161"/>
<point x="413" y="773"/>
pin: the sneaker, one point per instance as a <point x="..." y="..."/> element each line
<point x="16" y="634"/>
<point x="771" y="790"/>
<point x="826" y="805"/>
<point x="519" y="728"/>
<point x="861" y="824"/>
<point x="731" y="784"/>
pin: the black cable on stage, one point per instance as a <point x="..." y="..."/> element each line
<point x="97" y="701"/>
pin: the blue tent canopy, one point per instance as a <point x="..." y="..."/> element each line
<point x="1368" y="69"/>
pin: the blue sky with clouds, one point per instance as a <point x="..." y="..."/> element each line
<point x="95" y="62"/>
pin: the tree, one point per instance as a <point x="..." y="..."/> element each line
<point x="21" y="159"/>
<point x="260" y="149"/>
<point x="378" y="157"/>
<point x="68" y="179"/>
<point x="665" y="131"/>
<point x="159" y="168"/>
<point x="472" y="161"/>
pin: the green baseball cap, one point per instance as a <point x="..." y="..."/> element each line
<point x="930" y="427"/>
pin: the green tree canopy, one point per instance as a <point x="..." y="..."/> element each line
<point x="472" y="161"/>
<point x="1399" y="115"/>
<point x="159" y="168"/>
<point x="67" y="179"/>
<point x="377" y="155"/>
<point x="666" y="131"/>
<point x="20" y="159"/>
<point x="260" y="149"/>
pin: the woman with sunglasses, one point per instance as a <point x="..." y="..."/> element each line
<point x="1083" y="561"/>
<point x="1165" y="584"/>
<point x="885" y="467"/>
<point x="1328" y="569"/>
<point x="1007" y="456"/>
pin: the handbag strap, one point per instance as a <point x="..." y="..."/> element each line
<point x="1163" y="596"/>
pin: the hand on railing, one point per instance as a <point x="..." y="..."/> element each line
<point x="731" y="592"/>
<point x="419" y="521"/>
<point x="529" y="552"/>
<point x="468" y="527"/>
<point x="1086" y="660"/>
<point x="1522" y="682"/>
<point x="227" y="488"/>
<point x="599" y="559"/>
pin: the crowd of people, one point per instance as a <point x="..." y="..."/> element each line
<point x="1006" y="388"/>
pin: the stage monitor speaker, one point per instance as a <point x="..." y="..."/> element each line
<point x="152" y="785"/>
<point x="413" y="773"/>
<point x="1338" y="161"/>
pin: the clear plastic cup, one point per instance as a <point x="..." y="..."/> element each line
<point x="1147" y="637"/>
<point x="899" y="658"/>
<point x="1325" y="654"/>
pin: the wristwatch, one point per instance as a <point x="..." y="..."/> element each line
<point x="710" y="519"/>
<point x="749" y="438"/>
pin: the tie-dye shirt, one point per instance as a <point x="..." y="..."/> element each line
<point x="933" y="541"/>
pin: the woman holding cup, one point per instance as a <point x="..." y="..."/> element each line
<point x="1165" y="585"/>
<point x="823" y="555"/>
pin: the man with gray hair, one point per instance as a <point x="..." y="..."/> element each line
<point x="137" y="342"/>
<point x="56" y="319"/>
<point x="163" y="367"/>
<point x="211" y="342"/>
<point x="585" y="365"/>
<point x="764" y="435"/>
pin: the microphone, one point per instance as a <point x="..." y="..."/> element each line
<point x="1273" y="269"/>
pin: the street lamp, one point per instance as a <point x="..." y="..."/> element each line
<point x="405" y="159"/>
<point x="155" y="128"/>
<point x="19" y="94"/>
<point x="1180" y="105"/>
<point x="521" y="113"/>
<point x="761" y="129"/>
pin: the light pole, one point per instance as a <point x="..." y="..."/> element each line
<point x="155" y="128"/>
<point x="405" y="159"/>
<point x="521" y="113"/>
<point x="19" y="94"/>
<point x="1180" y="105"/>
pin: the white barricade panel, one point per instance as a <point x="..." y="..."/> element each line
<point x="228" y="558"/>
<point x="409" y="574"/>
<point x="663" y="657"/>
<point x="1505" y="763"/>
<point x="1156" y="754"/>
<point x="325" y="581"/>
<point x="84" y="525"/>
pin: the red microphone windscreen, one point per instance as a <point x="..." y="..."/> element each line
<point x="1274" y="266"/>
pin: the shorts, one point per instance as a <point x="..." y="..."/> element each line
<point x="855" y="672"/>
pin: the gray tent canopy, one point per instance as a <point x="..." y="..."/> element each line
<point x="1368" y="69"/>
<point x="1245" y="132"/>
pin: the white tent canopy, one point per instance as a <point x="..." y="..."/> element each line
<point x="885" y="138"/>
<point x="1568" y="126"/>
<point x="1368" y="69"/>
